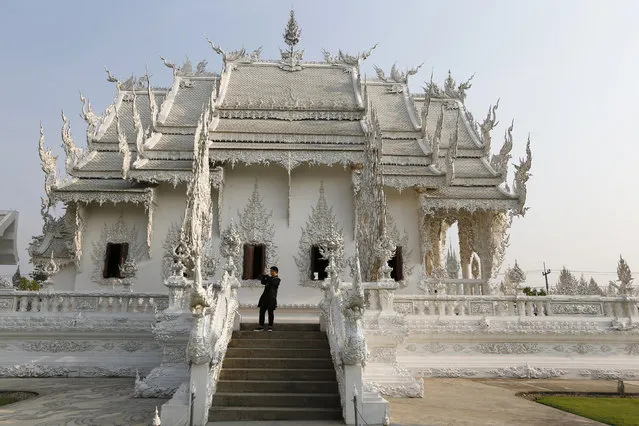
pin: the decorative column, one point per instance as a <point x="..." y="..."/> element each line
<point x="491" y="229"/>
<point x="171" y="331"/>
<point x="466" y="239"/>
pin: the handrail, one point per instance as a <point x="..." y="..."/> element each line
<point x="342" y="310"/>
<point x="517" y="305"/>
<point x="210" y="335"/>
<point x="63" y="302"/>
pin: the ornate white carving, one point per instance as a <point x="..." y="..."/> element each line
<point x="528" y="372"/>
<point x="123" y="145"/>
<point x="320" y="228"/>
<point x="608" y="374"/>
<point x="449" y="90"/>
<point x="489" y="123"/>
<point x="500" y="161"/>
<point x="396" y="76"/>
<point x="73" y="153"/>
<point x="236" y="56"/>
<point x="118" y="233"/>
<point x="292" y="58"/>
<point x="255" y="227"/>
<point x="522" y="174"/>
<point x="343" y="58"/>
<point x="49" y="167"/>
<point x="91" y="118"/>
<point x="451" y="373"/>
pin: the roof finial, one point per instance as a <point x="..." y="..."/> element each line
<point x="292" y="33"/>
<point x="291" y="58"/>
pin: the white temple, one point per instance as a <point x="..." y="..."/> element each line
<point x="185" y="195"/>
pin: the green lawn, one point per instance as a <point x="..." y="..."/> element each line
<point x="613" y="411"/>
<point x="6" y="400"/>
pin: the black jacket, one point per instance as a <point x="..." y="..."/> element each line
<point x="268" y="299"/>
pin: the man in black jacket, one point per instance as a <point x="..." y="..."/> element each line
<point x="268" y="300"/>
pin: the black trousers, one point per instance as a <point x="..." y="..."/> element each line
<point x="271" y="315"/>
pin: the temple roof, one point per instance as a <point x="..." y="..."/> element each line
<point x="288" y="115"/>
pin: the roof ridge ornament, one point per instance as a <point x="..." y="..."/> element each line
<point x="73" y="153"/>
<point x="292" y="58"/>
<point x="449" y="91"/>
<point x="451" y="154"/>
<point x="489" y="123"/>
<point x="499" y="162"/>
<point x="522" y="174"/>
<point x="49" y="167"/>
<point x="396" y="76"/>
<point x="90" y="117"/>
<point x="343" y="58"/>
<point x="139" y="133"/>
<point x="237" y="55"/>
<point x="123" y="145"/>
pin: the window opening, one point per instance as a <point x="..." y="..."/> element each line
<point x="115" y="257"/>
<point x="254" y="261"/>
<point x="397" y="265"/>
<point x="318" y="264"/>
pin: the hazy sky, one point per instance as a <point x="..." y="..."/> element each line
<point x="566" y="71"/>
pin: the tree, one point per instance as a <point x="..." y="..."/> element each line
<point x="28" y="285"/>
<point x="593" y="288"/>
<point x="582" y="286"/>
<point x="38" y="275"/>
<point x="624" y="275"/>
<point x="567" y="283"/>
<point x="16" y="277"/>
<point x="533" y="291"/>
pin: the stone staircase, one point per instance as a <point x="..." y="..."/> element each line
<point x="286" y="374"/>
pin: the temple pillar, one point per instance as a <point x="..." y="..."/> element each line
<point x="492" y="238"/>
<point x="466" y="237"/>
<point x="433" y="232"/>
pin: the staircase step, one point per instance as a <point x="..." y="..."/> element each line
<point x="274" y="352"/>
<point x="260" y="374"/>
<point x="277" y="334"/>
<point x="279" y="343"/>
<point x="277" y="386"/>
<point x="278" y="363"/>
<point x="284" y="327"/>
<point x="260" y="399"/>
<point x="228" y="414"/>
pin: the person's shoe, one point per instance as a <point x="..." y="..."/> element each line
<point x="270" y="329"/>
<point x="259" y="329"/>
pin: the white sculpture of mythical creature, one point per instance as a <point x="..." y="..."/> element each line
<point x="396" y="76"/>
<point x="458" y="92"/>
<point x="90" y="117"/>
<point x="49" y="165"/>
<point x="345" y="58"/>
<point x="500" y="161"/>
<point x="522" y="174"/>
<point x="73" y="153"/>
<point x="489" y="123"/>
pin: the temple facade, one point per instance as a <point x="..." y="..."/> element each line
<point x="297" y="150"/>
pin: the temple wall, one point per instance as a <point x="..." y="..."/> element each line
<point x="64" y="280"/>
<point x="92" y="262"/>
<point x="403" y="208"/>
<point x="273" y="188"/>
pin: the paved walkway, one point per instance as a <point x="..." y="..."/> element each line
<point x="108" y="402"/>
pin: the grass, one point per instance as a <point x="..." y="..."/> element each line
<point x="4" y="400"/>
<point x="612" y="411"/>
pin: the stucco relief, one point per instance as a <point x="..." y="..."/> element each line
<point x="255" y="227"/>
<point x="117" y="233"/>
<point x="576" y="309"/>
<point x="528" y="372"/>
<point x="608" y="374"/>
<point x="320" y="225"/>
<point x="55" y="346"/>
<point x="451" y="373"/>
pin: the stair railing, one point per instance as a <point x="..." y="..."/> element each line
<point x="342" y="311"/>
<point x="208" y="341"/>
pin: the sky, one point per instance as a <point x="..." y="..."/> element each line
<point x="565" y="71"/>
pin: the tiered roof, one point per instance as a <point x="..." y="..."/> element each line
<point x="287" y="113"/>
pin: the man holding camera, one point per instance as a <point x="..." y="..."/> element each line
<point x="268" y="300"/>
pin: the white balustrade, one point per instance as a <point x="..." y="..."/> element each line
<point x="62" y="302"/>
<point x="520" y="305"/>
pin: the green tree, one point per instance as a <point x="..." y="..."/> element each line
<point x="28" y="285"/>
